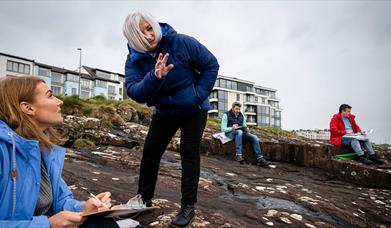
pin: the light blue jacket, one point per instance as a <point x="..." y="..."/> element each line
<point x="18" y="196"/>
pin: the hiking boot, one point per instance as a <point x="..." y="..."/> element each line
<point x="262" y="162"/>
<point x="375" y="159"/>
<point x="184" y="218"/>
<point x="239" y="159"/>
<point x="364" y="160"/>
<point x="148" y="203"/>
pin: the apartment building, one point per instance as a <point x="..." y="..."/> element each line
<point x="260" y="104"/>
<point x="89" y="82"/>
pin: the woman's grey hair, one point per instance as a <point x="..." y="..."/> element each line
<point x="131" y="30"/>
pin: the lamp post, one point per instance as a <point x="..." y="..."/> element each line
<point x="79" y="92"/>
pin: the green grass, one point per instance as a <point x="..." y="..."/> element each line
<point x="101" y="108"/>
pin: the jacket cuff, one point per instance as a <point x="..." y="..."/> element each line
<point x="154" y="78"/>
<point x="40" y="221"/>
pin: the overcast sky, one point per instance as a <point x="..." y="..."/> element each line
<point x="318" y="54"/>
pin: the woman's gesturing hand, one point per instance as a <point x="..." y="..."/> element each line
<point x="161" y="70"/>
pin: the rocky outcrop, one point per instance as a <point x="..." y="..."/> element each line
<point x="280" y="149"/>
<point x="316" y="155"/>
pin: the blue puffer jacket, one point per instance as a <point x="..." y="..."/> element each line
<point x="18" y="198"/>
<point x="185" y="89"/>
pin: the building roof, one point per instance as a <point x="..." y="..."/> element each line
<point x="92" y="72"/>
<point x="17" y="57"/>
<point x="235" y="79"/>
<point x="247" y="82"/>
<point x="63" y="70"/>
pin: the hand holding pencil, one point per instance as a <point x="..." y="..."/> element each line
<point x="100" y="202"/>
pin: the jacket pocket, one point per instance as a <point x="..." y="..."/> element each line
<point x="186" y="97"/>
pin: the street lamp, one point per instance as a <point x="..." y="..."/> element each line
<point x="79" y="49"/>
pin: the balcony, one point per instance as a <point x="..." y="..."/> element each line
<point x="251" y="124"/>
<point x="213" y="110"/>
<point x="86" y="88"/>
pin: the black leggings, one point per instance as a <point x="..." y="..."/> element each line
<point x="99" y="222"/>
<point x="160" y="133"/>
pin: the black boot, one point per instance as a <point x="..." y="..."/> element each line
<point x="148" y="203"/>
<point x="364" y="160"/>
<point x="262" y="162"/>
<point x="375" y="159"/>
<point x="184" y="217"/>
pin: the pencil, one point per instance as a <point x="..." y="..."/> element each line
<point x="93" y="196"/>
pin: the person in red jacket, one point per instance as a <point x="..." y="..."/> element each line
<point x="343" y="124"/>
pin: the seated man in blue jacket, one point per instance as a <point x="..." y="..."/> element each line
<point x="233" y="123"/>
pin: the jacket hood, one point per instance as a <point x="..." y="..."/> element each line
<point x="168" y="33"/>
<point x="7" y="134"/>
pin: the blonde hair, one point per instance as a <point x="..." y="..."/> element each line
<point x="13" y="91"/>
<point x="131" y="30"/>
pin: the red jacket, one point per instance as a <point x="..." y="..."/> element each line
<point x="337" y="128"/>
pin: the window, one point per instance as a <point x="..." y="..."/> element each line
<point x="213" y="106"/>
<point x="223" y="83"/>
<point x="44" y="72"/>
<point x="234" y="85"/>
<point x="85" y="83"/>
<point x="56" y="78"/>
<point x="251" y="119"/>
<point x="56" y="90"/>
<point x="74" y="91"/>
<point x="18" y="67"/>
<point x="99" y="83"/>
<point x="73" y="77"/>
<point x="223" y="102"/>
<point x="121" y="79"/>
<point x="217" y="84"/>
<point x="85" y="94"/>
<point x="273" y="95"/>
<point x="120" y="91"/>
<point x="111" y="89"/>
<point x="103" y="74"/>
<point x="249" y="88"/>
<point x="237" y="97"/>
<point x="111" y="98"/>
<point x="213" y="94"/>
<point x="250" y="98"/>
<point x="9" y="65"/>
<point x="229" y="84"/>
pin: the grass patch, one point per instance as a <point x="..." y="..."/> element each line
<point x="83" y="144"/>
<point x="101" y="108"/>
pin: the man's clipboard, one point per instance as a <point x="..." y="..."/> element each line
<point x="110" y="213"/>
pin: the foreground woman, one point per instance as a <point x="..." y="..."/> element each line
<point x="33" y="193"/>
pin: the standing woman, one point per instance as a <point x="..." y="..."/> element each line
<point x="32" y="192"/>
<point x="175" y="73"/>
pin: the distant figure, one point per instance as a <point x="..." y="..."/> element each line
<point x="33" y="192"/>
<point x="175" y="73"/>
<point x="344" y="124"/>
<point x="234" y="125"/>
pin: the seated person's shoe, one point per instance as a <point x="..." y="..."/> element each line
<point x="184" y="217"/>
<point x="364" y="160"/>
<point x="262" y="162"/>
<point x="375" y="159"/>
<point x="239" y="159"/>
